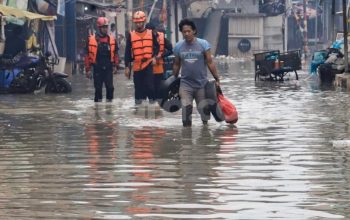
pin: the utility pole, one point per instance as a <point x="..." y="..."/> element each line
<point x="305" y="30"/>
<point x="288" y="8"/>
<point x="316" y="28"/>
<point x="345" y="27"/>
<point x="129" y="11"/>
<point x="150" y="13"/>
<point x="176" y="21"/>
<point x="333" y="21"/>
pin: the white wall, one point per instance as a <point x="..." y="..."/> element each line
<point x="245" y="27"/>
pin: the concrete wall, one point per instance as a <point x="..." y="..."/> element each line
<point x="273" y="36"/>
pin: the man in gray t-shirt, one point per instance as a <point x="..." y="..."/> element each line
<point x="193" y="55"/>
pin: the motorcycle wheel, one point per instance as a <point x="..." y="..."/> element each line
<point x="169" y="90"/>
<point x="62" y="86"/>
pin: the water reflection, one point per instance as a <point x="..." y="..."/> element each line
<point x="189" y="159"/>
<point x="143" y="149"/>
<point x="63" y="157"/>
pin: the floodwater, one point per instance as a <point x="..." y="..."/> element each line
<point x="63" y="157"/>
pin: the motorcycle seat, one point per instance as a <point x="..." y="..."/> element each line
<point x="7" y="63"/>
<point x="18" y="62"/>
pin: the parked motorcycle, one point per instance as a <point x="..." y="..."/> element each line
<point x="55" y="81"/>
<point x="25" y="74"/>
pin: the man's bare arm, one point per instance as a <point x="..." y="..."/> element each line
<point x="211" y="65"/>
<point x="176" y="66"/>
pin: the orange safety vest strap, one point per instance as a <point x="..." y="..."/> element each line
<point x="113" y="47"/>
<point x="161" y="42"/>
<point x="92" y="49"/>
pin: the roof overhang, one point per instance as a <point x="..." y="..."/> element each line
<point x="230" y="14"/>
<point x="102" y="4"/>
<point x="17" y="13"/>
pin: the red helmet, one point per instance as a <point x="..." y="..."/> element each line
<point x="102" y="21"/>
<point x="139" y="16"/>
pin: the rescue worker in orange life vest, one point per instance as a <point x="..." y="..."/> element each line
<point x="102" y="55"/>
<point x="165" y="49"/>
<point x="141" y="48"/>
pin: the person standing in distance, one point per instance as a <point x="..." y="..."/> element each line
<point x="102" y="54"/>
<point x="141" y="48"/>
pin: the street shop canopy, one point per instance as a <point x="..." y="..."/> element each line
<point x="10" y="11"/>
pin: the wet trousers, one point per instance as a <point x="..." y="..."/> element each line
<point x="187" y="95"/>
<point x="157" y="79"/>
<point x="144" y="85"/>
<point x="102" y="76"/>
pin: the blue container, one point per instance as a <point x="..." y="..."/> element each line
<point x="7" y="76"/>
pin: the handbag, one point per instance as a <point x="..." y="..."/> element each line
<point x="227" y="107"/>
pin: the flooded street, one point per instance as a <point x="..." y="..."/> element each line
<point x="65" y="157"/>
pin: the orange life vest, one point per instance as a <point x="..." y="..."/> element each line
<point x="142" y="48"/>
<point x="93" y="48"/>
<point x="158" y="68"/>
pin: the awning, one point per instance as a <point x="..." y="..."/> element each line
<point x="101" y="4"/>
<point x="10" y="11"/>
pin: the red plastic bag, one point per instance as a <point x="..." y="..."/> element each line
<point x="229" y="110"/>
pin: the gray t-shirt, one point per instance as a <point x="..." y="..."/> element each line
<point x="193" y="65"/>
